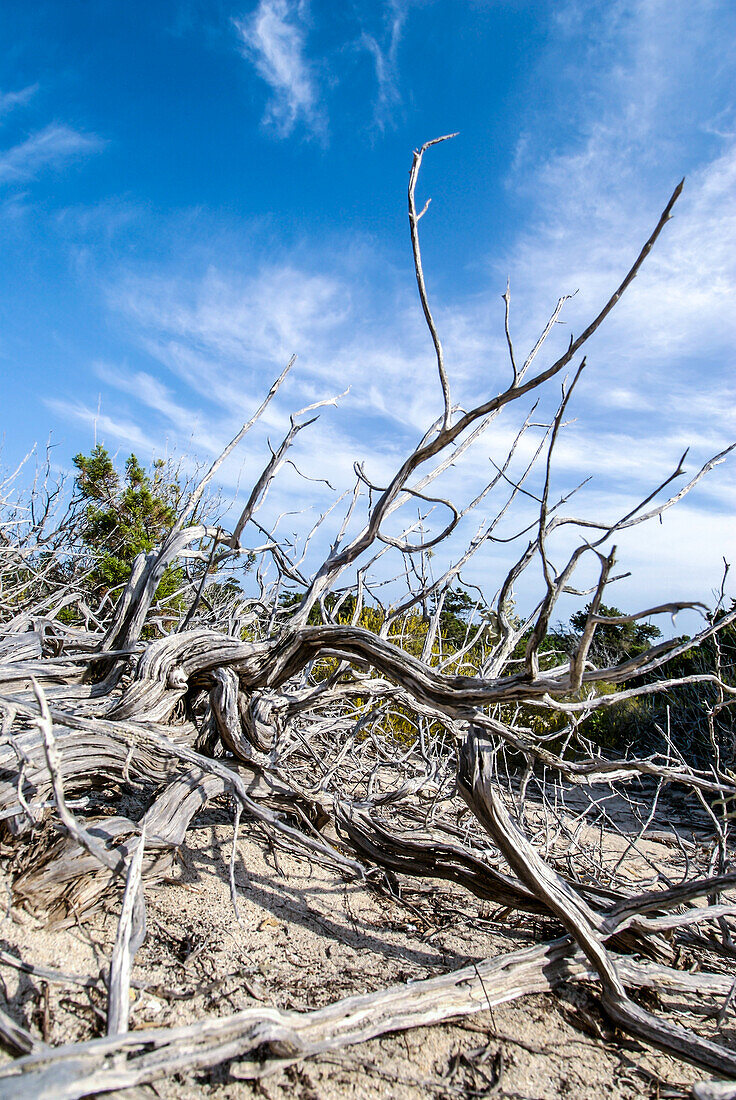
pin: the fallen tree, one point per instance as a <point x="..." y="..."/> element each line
<point x="327" y="715"/>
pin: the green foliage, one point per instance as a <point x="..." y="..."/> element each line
<point x="616" y="728"/>
<point x="615" y="642"/>
<point x="124" y="517"/>
<point x="692" y="714"/>
<point x="612" y="642"/>
<point x="698" y="717"/>
<point x="457" y="608"/>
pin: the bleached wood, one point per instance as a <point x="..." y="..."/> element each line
<point x="292" y="709"/>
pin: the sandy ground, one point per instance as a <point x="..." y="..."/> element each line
<point x="307" y="938"/>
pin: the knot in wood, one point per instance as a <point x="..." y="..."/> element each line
<point x="177" y="678"/>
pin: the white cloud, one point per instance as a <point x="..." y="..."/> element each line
<point x="385" y="60"/>
<point x="273" y="38"/>
<point x="598" y="196"/>
<point x="217" y="334"/>
<point x="681" y="303"/>
<point x="10" y="100"/>
<point x="662" y="364"/>
<point x="50" y="147"/>
<point x="660" y="373"/>
<point x="226" y="335"/>
<point x="158" y="398"/>
<point x="106" y="427"/>
<point x="681" y="558"/>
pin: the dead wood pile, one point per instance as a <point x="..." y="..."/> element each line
<point x="365" y="742"/>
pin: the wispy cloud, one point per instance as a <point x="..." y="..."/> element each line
<point x="10" y="100"/>
<point x="273" y="38"/>
<point x="166" y="410"/>
<point x="594" y="197"/>
<point x="51" y="147"/>
<point x="222" y="336"/>
<point x="105" y="427"/>
<point x="385" y="60"/>
<point x="661" y="368"/>
<point x="244" y="321"/>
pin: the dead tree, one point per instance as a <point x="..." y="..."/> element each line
<point x="292" y="706"/>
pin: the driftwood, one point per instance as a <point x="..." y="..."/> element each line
<point x="141" y="1056"/>
<point x="348" y="729"/>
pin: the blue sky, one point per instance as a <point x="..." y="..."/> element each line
<point x="192" y="191"/>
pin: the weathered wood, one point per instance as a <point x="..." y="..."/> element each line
<point x="300" y="711"/>
<point x="130" y="935"/>
<point x="478" y="789"/>
<point x="280" y="1037"/>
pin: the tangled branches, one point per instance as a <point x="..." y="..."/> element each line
<point x="353" y="729"/>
